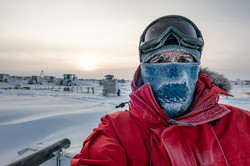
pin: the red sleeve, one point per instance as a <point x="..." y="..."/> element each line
<point x="102" y="147"/>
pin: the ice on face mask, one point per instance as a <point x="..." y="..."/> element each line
<point x="173" y="85"/>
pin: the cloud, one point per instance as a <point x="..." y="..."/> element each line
<point x="57" y="34"/>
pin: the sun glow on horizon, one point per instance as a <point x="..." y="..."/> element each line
<point x="88" y="63"/>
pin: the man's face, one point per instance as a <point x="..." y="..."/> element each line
<point x="172" y="57"/>
<point x="172" y="76"/>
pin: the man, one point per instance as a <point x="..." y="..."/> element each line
<point x="174" y="116"/>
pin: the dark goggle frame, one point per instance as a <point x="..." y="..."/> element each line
<point x="196" y="43"/>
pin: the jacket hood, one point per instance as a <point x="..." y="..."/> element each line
<point x="217" y="79"/>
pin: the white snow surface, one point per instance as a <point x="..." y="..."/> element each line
<point x="33" y="119"/>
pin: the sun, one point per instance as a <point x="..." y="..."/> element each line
<point x="88" y="64"/>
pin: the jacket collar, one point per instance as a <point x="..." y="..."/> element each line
<point x="204" y="109"/>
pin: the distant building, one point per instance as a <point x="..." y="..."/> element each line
<point x="16" y="77"/>
<point x="238" y="82"/>
<point x="4" y="77"/>
<point x="35" y="80"/>
<point x="50" y="79"/>
<point x="69" y="79"/>
<point x="246" y="82"/>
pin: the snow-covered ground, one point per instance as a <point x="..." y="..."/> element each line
<point x="33" y="119"/>
<point x="36" y="118"/>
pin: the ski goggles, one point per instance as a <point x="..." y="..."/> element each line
<point x="166" y="28"/>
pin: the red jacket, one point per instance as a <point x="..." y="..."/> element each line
<point x="210" y="134"/>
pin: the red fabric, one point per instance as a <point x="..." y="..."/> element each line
<point x="123" y="137"/>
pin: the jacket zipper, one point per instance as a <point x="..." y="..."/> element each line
<point x="224" y="156"/>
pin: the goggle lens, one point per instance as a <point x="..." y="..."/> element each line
<point x="159" y="27"/>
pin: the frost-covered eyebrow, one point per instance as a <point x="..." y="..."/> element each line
<point x="177" y="58"/>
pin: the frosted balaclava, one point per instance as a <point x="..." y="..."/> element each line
<point x="173" y="84"/>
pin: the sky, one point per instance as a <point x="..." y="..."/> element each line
<point x="99" y="37"/>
